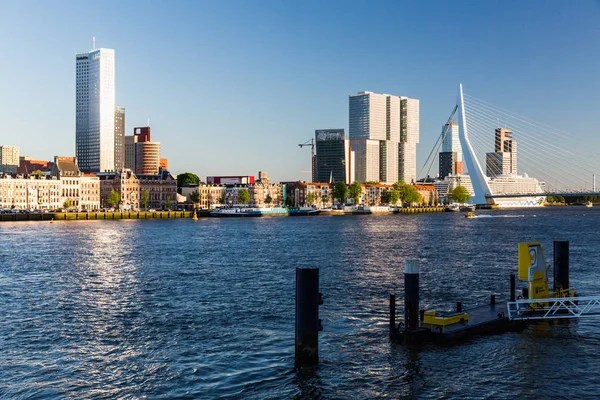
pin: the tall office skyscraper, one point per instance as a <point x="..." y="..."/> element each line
<point x="504" y="160"/>
<point x="451" y="142"/>
<point x="129" y="159"/>
<point x="367" y="123"/>
<point x="95" y="110"/>
<point x="384" y="132"/>
<point x="409" y="138"/>
<point x="333" y="159"/>
<point x="119" y="138"/>
<point x="451" y="155"/>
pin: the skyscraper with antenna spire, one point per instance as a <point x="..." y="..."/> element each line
<point x="95" y="110"/>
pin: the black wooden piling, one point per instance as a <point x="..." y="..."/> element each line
<point x="308" y="324"/>
<point x="411" y="295"/>
<point x="513" y="287"/>
<point x="392" y="314"/>
<point x="458" y="307"/>
<point x="561" y="265"/>
<point x="492" y="299"/>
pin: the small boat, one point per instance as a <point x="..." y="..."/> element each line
<point x="453" y="208"/>
<point x="589" y="204"/>
<point x="470" y="215"/>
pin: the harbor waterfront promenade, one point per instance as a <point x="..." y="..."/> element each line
<point x="84" y="216"/>
<point x="177" y="309"/>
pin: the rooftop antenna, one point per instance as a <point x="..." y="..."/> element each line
<point x="93" y="42"/>
<point x="148" y="124"/>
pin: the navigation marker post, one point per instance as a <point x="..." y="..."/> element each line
<point x="308" y="324"/>
<point x="561" y="265"/>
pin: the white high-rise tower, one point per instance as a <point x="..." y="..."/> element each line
<point x="451" y="143"/>
<point x="384" y="132"/>
<point x="95" y="110"/>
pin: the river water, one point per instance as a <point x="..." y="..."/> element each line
<point x="183" y="309"/>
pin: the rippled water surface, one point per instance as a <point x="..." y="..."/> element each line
<point x="183" y="309"/>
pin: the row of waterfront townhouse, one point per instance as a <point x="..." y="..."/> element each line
<point x="29" y="192"/>
<point x="294" y="194"/>
<point x="81" y="190"/>
<point x="161" y="189"/>
<point x="63" y="185"/>
<point x="371" y="194"/>
<point x="24" y="192"/>
<point x="66" y="186"/>
<point x="262" y="194"/>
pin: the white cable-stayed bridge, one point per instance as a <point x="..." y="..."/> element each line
<point x="510" y="156"/>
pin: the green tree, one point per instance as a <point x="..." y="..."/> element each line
<point x="550" y="199"/>
<point x="113" y="198"/>
<point x="371" y="183"/>
<point x="268" y="199"/>
<point x="340" y="192"/>
<point x="244" y="196"/>
<point x="168" y="203"/>
<point x="311" y="198"/>
<point x="195" y="197"/>
<point x="385" y="196"/>
<point x="561" y="199"/>
<point x="394" y="196"/>
<point x="37" y="173"/>
<point x="68" y="203"/>
<point x="145" y="198"/>
<point x="355" y="191"/>
<point x="407" y="193"/>
<point x="460" y="194"/>
<point x="289" y="201"/>
<point x="187" y="178"/>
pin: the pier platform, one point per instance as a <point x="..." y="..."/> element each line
<point x="481" y="320"/>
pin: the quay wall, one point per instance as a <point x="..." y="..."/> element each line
<point x="94" y="216"/>
<point x="419" y="210"/>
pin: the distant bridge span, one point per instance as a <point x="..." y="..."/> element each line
<point x="544" y="194"/>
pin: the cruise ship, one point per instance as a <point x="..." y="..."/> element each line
<point x="499" y="185"/>
<point x="517" y="184"/>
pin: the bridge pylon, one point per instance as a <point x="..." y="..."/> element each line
<point x="483" y="192"/>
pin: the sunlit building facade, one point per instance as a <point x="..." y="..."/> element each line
<point x="393" y="121"/>
<point x="147" y="158"/>
<point x="366" y="164"/>
<point x="95" y="110"/>
<point x="30" y="192"/>
<point x="9" y="159"/>
<point x="119" y="137"/>
<point x="409" y="138"/>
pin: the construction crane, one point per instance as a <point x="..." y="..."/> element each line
<point x="311" y="143"/>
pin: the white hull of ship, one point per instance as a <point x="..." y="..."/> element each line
<point x="520" y="202"/>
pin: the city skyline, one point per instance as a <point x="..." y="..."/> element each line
<point x="242" y="86"/>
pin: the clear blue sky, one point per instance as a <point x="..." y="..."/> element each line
<point x="231" y="87"/>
